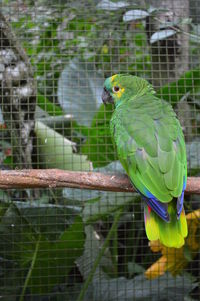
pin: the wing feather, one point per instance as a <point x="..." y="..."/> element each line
<point x="151" y="147"/>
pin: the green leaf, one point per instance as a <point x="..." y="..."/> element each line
<point x="92" y="246"/>
<point x="55" y="151"/>
<point x="49" y="107"/>
<point x="112" y="6"/>
<point x="135" y="15"/>
<point x="33" y="212"/>
<point x="108" y="203"/>
<point x="98" y="146"/>
<point x="187" y="253"/>
<point x="135" y="268"/>
<point x="79" y="90"/>
<point x="162" y="35"/>
<point x="188" y="82"/>
<point x="44" y="262"/>
<point x="56" y="259"/>
<point x="141" y="289"/>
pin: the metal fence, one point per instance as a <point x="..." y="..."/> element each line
<point x="75" y="244"/>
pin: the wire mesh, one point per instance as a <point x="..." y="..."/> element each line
<point x="72" y="244"/>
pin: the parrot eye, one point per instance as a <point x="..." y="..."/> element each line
<point x="116" y="89"/>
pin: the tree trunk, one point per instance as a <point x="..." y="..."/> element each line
<point x="169" y="55"/>
<point x="17" y="95"/>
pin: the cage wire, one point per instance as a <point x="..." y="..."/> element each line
<point x="73" y="244"/>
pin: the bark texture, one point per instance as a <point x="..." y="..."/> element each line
<point x="54" y="178"/>
<point x="169" y="55"/>
<point x="17" y="95"/>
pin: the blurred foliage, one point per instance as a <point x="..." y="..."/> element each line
<point x="64" y="151"/>
<point x="99" y="146"/>
<point x="174" y="260"/>
<point x="47" y="241"/>
<point x="42" y="250"/>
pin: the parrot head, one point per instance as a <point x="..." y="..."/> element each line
<point x="123" y="87"/>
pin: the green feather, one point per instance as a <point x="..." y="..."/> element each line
<point x="165" y="159"/>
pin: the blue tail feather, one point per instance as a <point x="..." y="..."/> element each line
<point x="180" y="200"/>
<point x="160" y="208"/>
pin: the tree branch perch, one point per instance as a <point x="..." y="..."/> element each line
<point x="55" y="178"/>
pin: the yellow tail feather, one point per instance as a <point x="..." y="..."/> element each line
<point x="171" y="234"/>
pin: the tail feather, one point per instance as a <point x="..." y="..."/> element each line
<point x="172" y="233"/>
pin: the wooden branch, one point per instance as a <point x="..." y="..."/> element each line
<point x="55" y="178"/>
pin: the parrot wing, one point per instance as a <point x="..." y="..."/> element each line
<point x="151" y="148"/>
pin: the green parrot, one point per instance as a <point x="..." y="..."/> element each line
<point x="150" y="145"/>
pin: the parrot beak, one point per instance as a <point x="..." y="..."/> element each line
<point x="106" y="97"/>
